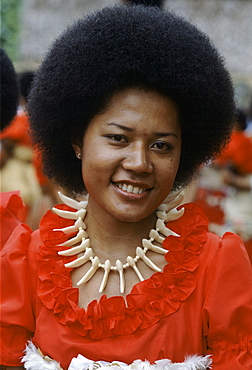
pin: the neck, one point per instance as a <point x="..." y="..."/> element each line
<point x="110" y="235"/>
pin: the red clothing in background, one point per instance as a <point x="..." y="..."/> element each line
<point x="238" y="153"/>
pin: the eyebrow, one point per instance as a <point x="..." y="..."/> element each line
<point x="160" y="134"/>
<point x="120" y="126"/>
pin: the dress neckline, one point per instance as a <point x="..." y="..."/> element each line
<point x="149" y="300"/>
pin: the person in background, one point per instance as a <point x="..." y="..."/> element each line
<point x="235" y="165"/>
<point x="127" y="105"/>
<point x="224" y="190"/>
<point x="237" y="157"/>
<point x="16" y="167"/>
<point x="9" y="90"/>
<point x="18" y="130"/>
<point x="11" y="205"/>
<point x="21" y="167"/>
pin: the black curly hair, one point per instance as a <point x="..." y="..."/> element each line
<point x="9" y="90"/>
<point x="121" y="47"/>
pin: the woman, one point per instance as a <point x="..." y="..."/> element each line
<point x="128" y="103"/>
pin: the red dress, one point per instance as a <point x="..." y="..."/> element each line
<point x="10" y="206"/>
<point x="200" y="304"/>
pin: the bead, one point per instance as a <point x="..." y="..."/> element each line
<point x="161" y="215"/>
<point x="71" y="202"/>
<point x="90" y="272"/>
<point x="68" y="229"/>
<point x="132" y="264"/>
<point x="146" y="260"/>
<point x="174" y="214"/>
<point x="153" y="247"/>
<point x="107" y="269"/>
<point x="81" y="235"/>
<point x="155" y="236"/>
<point x="164" y="230"/>
<point x="119" y="267"/>
<point x="81" y="260"/>
<point x="75" y="250"/>
<point x="65" y="214"/>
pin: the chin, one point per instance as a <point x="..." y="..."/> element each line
<point x="132" y="217"/>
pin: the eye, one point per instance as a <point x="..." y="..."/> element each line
<point x="118" y="138"/>
<point x="162" y="146"/>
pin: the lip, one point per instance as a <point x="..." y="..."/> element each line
<point x="130" y="195"/>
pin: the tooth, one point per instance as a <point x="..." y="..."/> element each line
<point x="130" y="189"/>
<point x="136" y="190"/>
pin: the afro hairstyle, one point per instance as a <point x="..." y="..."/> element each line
<point x="129" y="46"/>
<point x="9" y="90"/>
<point x="145" y="2"/>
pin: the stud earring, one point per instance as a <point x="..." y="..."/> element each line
<point x="78" y="155"/>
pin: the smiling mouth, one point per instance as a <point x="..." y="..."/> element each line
<point x="130" y="188"/>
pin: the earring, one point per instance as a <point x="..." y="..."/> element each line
<point x="78" y="155"/>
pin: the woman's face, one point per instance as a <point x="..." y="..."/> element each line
<point x="131" y="153"/>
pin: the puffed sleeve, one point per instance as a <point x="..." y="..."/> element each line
<point x="10" y="205"/>
<point x="228" y="307"/>
<point x="17" y="322"/>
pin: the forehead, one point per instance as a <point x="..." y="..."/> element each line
<point x="133" y="97"/>
<point x="138" y="106"/>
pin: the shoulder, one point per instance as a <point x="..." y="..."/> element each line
<point x="229" y="243"/>
<point x="228" y="250"/>
<point x="10" y="205"/>
<point x="18" y="242"/>
<point x="226" y="267"/>
<point x="20" y="249"/>
<point x="229" y="246"/>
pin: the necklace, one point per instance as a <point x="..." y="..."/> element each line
<point x="80" y="244"/>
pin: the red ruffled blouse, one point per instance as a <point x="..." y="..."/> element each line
<point x="10" y="206"/>
<point x="201" y="303"/>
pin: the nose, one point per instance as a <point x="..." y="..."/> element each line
<point x="138" y="160"/>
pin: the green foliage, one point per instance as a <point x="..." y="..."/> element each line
<point x="10" y="27"/>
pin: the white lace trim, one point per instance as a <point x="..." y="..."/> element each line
<point x="34" y="360"/>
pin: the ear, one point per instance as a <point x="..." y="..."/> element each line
<point x="77" y="150"/>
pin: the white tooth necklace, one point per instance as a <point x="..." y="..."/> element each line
<point x="166" y="212"/>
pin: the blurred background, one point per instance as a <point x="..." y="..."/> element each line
<point x="28" y="27"/>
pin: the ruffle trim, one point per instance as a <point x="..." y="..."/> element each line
<point x="149" y="300"/>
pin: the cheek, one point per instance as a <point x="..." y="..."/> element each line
<point x="95" y="167"/>
<point x="170" y="165"/>
<point x="168" y="172"/>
